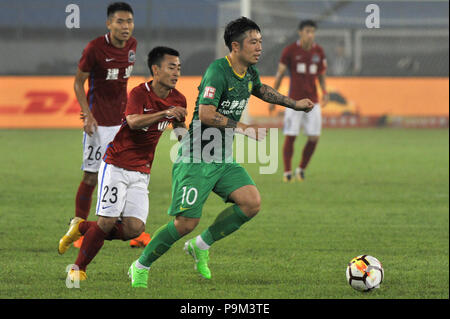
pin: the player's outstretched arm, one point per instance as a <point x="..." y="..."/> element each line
<point x="278" y="78"/>
<point x="270" y="95"/>
<point x="209" y="116"/>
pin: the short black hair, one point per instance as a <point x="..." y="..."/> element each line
<point x="156" y="55"/>
<point x="307" y="23"/>
<point x="235" y="30"/>
<point x="118" y="6"/>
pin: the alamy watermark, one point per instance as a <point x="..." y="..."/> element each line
<point x="73" y="18"/>
<point x="73" y="282"/>
<point x="373" y="19"/>
<point x="210" y="144"/>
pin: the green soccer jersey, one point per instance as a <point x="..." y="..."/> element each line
<point x="229" y="92"/>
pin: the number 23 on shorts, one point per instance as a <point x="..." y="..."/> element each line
<point x="109" y="196"/>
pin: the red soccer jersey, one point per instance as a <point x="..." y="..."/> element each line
<point x="135" y="149"/>
<point x="304" y="67"/>
<point x="109" y="69"/>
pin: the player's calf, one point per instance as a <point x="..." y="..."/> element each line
<point x="90" y="178"/>
<point x="106" y="224"/>
<point x="132" y="227"/>
<point x="185" y="225"/>
<point x="251" y="207"/>
<point x="248" y="199"/>
<point x="125" y="229"/>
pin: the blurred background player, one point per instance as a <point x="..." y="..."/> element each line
<point x="223" y="95"/>
<point x="107" y="63"/>
<point x="122" y="201"/>
<point x="306" y="63"/>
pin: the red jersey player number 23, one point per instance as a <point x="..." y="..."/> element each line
<point x="135" y="149"/>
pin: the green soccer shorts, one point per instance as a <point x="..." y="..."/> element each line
<point x="193" y="182"/>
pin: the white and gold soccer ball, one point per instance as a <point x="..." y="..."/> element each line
<point x="364" y="273"/>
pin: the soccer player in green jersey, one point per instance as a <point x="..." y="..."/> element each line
<point x="223" y="94"/>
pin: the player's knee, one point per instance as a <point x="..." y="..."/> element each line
<point x="185" y="229"/>
<point x="252" y="206"/>
<point x="106" y="224"/>
<point x="90" y="178"/>
<point x="133" y="233"/>
<point x="185" y="225"/>
<point x="132" y="228"/>
<point x="256" y="206"/>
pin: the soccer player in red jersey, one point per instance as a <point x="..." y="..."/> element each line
<point x="306" y="63"/>
<point x="122" y="202"/>
<point x="107" y="63"/>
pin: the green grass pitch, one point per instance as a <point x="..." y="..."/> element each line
<point x="383" y="192"/>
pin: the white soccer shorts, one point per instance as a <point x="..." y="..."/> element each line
<point x="94" y="147"/>
<point x="122" y="193"/>
<point x="311" y="122"/>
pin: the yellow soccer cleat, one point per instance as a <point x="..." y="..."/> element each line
<point x="77" y="275"/>
<point x="299" y="174"/>
<point x="288" y="178"/>
<point x="72" y="235"/>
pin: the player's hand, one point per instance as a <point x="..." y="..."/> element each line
<point x="271" y="108"/>
<point x="325" y="99"/>
<point x="89" y="123"/>
<point x="253" y="132"/>
<point x="176" y="112"/>
<point x="305" y="105"/>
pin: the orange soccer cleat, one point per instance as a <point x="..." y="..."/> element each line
<point x="78" y="243"/>
<point x="141" y="241"/>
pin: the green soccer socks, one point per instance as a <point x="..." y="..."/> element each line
<point x="162" y="240"/>
<point x="227" y="222"/>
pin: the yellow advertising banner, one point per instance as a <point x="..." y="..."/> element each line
<point x="368" y="96"/>
<point x="49" y="102"/>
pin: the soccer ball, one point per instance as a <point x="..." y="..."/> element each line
<point x="364" y="273"/>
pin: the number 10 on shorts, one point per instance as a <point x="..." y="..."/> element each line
<point x="189" y="195"/>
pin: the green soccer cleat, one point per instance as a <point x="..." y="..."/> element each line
<point x="139" y="277"/>
<point x="201" y="257"/>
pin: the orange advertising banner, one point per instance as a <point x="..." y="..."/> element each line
<point x="49" y="102"/>
<point x="376" y="96"/>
